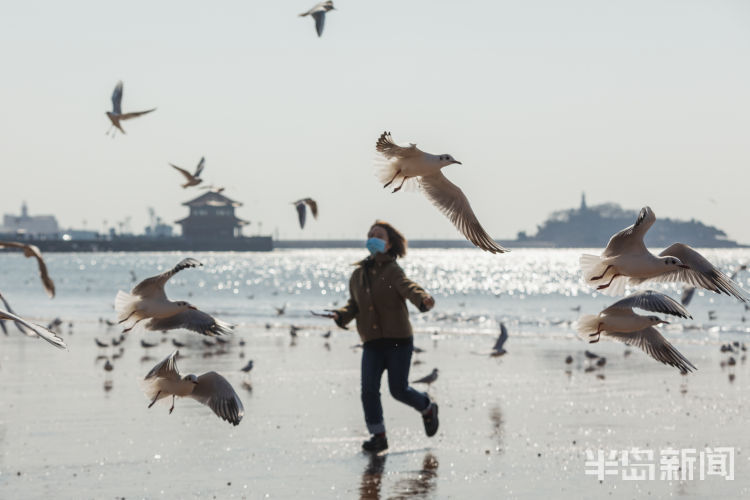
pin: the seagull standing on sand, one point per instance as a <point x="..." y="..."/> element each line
<point x="147" y="301"/>
<point x="211" y="389"/>
<point x="192" y="179"/>
<point x="319" y="14"/>
<point x="301" y="206"/>
<point x="425" y="168"/>
<point x="620" y="322"/>
<point x="33" y="251"/>
<point x="116" y="115"/>
<point x="429" y="379"/>
<point x="626" y="258"/>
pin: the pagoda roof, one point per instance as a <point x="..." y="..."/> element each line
<point x="237" y="221"/>
<point x="212" y="199"/>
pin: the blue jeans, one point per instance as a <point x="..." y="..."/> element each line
<point x="397" y="360"/>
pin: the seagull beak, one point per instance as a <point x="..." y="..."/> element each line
<point x="193" y="308"/>
<point x="664" y="322"/>
<point x="456" y="161"/>
<point x="684" y="266"/>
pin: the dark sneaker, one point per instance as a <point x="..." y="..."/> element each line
<point x="375" y="444"/>
<point x="430" y="420"/>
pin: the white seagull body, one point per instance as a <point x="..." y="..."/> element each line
<point x="116" y="115"/>
<point x="319" y="14"/>
<point x="627" y="260"/>
<point x="211" y="389"/>
<point x="147" y="301"/>
<point x="192" y="179"/>
<point x="405" y="163"/>
<point x="620" y="322"/>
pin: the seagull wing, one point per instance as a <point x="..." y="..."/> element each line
<point x="153" y="287"/>
<point x="687" y="295"/>
<point x="18" y="325"/>
<point x="188" y="175"/>
<point x="650" y="300"/>
<point x="453" y="203"/>
<point x="650" y="341"/>
<point x="117" y="99"/>
<point x="700" y="273"/>
<point x="134" y="114"/>
<point x="191" y="319"/>
<point x="391" y="150"/>
<point x="320" y="20"/>
<point x="200" y="166"/>
<point x="217" y="393"/>
<point x="41" y="331"/>
<point x="313" y="206"/>
<point x="33" y="251"/>
<point x="501" y="339"/>
<point x="167" y="368"/>
<point x="301" y="213"/>
<point x="630" y="239"/>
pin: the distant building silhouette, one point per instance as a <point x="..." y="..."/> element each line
<point x="212" y="218"/>
<point x="30" y="225"/>
<point x="592" y="226"/>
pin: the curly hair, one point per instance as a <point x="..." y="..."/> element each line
<point x="395" y="238"/>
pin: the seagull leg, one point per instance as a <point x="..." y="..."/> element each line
<point x="595" y="278"/>
<point x="172" y="408"/>
<point x="132" y="326"/>
<point x="155" y="398"/>
<point x="400" y="185"/>
<point x="129" y="315"/>
<point x="598" y="334"/>
<point x="602" y="287"/>
<point x="393" y="179"/>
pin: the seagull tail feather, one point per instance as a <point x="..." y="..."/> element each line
<point x="592" y="266"/>
<point x="125" y="305"/>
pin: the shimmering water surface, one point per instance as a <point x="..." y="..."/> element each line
<point x="511" y="427"/>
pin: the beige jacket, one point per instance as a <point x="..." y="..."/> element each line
<point x="378" y="291"/>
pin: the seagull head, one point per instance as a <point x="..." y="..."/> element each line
<point x="446" y="160"/>
<point x="674" y="263"/>
<point x="655" y="320"/>
<point x="184" y="306"/>
<point x="191" y="378"/>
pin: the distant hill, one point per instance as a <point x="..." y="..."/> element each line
<point x="593" y="226"/>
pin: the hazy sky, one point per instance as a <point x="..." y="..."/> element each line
<point x="636" y="102"/>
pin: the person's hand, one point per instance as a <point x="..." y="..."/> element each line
<point x="428" y="303"/>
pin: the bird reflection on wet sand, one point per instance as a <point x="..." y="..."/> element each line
<point x="496" y="418"/>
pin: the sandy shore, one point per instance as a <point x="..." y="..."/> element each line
<point x="516" y="427"/>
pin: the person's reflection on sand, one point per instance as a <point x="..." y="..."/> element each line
<point x="423" y="484"/>
<point x="371" y="478"/>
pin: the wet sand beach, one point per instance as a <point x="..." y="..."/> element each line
<point x="512" y="427"/>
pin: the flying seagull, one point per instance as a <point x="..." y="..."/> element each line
<point x="498" y="349"/>
<point x="147" y="301"/>
<point x="33" y="251"/>
<point x="319" y="14"/>
<point x="116" y="115"/>
<point x="626" y="258"/>
<point x="39" y="330"/>
<point x="192" y="179"/>
<point x="301" y="206"/>
<point x="411" y="163"/>
<point x="620" y="322"/>
<point x="211" y="389"/>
